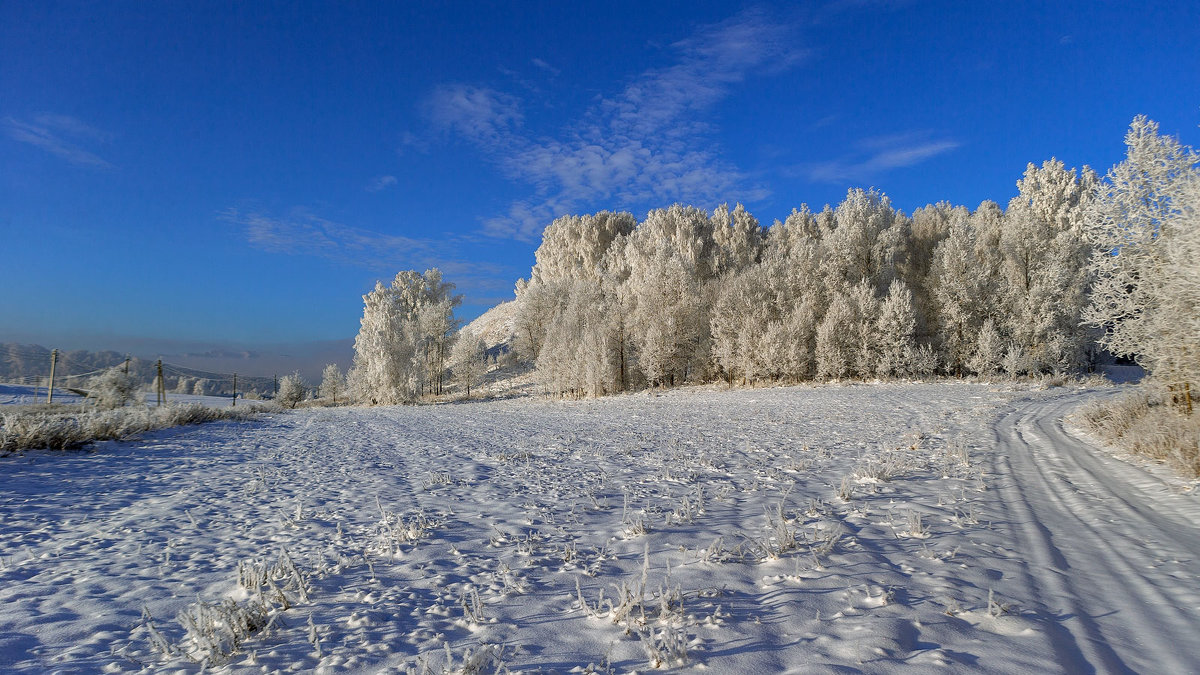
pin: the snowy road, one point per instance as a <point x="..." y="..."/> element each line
<point x="1113" y="550"/>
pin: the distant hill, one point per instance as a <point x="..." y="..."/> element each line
<point x="23" y="361"/>
<point x="505" y="375"/>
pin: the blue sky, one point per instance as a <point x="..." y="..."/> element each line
<point x="243" y="172"/>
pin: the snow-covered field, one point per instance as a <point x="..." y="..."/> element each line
<point x="865" y="528"/>
<point x="27" y="394"/>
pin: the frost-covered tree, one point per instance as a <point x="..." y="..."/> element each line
<point x="333" y="383"/>
<point x="738" y="238"/>
<point x="989" y="350"/>
<point x="1182" y="266"/>
<point x="292" y="390"/>
<point x="683" y="232"/>
<point x="580" y="357"/>
<point x="958" y="296"/>
<point x="667" y="321"/>
<point x="573" y="247"/>
<point x="739" y="319"/>
<point x="837" y="343"/>
<point x="537" y="305"/>
<point x="1144" y="226"/>
<point x="866" y="310"/>
<point x="663" y="272"/>
<point x="868" y="240"/>
<point x="404" y="338"/>
<point x="437" y="326"/>
<point x="1016" y="361"/>
<point x="114" y="388"/>
<point x="468" y="359"/>
<point x="896" y="332"/>
<point x="1044" y="264"/>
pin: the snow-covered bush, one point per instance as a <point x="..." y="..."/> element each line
<point x="73" y="427"/>
<point x="989" y="350"/>
<point x="292" y="389"/>
<point x="1144" y="422"/>
<point x="114" y="388"/>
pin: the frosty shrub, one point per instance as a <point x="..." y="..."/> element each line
<point x="72" y="427"/>
<point x="114" y="388"/>
<point x="989" y="350"/>
<point x="1145" y="423"/>
<point x="1015" y="361"/>
<point x="924" y="360"/>
<point x="291" y="390"/>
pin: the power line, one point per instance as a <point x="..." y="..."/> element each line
<point x="98" y="370"/>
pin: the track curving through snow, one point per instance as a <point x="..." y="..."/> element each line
<point x="1113" y="552"/>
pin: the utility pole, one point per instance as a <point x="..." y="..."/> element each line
<point x="275" y="391"/>
<point x="160" y="390"/>
<point x="53" y="362"/>
<point x="235" y="390"/>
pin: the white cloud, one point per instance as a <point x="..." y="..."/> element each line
<point x="60" y="135"/>
<point x="647" y="145"/>
<point x="303" y="233"/>
<point x="479" y="114"/>
<point x="539" y="63"/>
<point x="880" y="154"/>
<point x="381" y="183"/>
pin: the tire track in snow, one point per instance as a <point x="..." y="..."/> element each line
<point x="1112" y="556"/>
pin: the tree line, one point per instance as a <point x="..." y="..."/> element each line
<point x="1073" y="264"/>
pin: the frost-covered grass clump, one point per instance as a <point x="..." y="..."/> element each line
<point x="66" y="427"/>
<point x="1145" y="422"/>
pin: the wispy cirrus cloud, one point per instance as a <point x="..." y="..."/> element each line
<point x="876" y="155"/>
<point x="650" y="143"/>
<point x="301" y="232"/>
<point x="479" y="114"/>
<point x="60" y="135"/>
<point x="543" y="65"/>
<point x="381" y="183"/>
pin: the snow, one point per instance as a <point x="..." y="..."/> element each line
<point x="26" y="394"/>
<point x="980" y="534"/>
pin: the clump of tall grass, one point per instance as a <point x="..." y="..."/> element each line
<point x="1145" y="422"/>
<point x="214" y="631"/>
<point x="63" y="428"/>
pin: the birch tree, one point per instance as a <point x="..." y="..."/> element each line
<point x="1144" y="225"/>
<point x="403" y="337"/>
